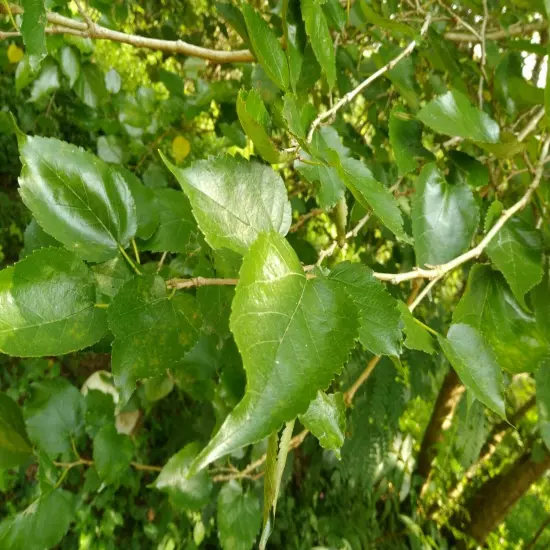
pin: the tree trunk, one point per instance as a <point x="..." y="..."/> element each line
<point x="445" y="405"/>
<point x="493" y="500"/>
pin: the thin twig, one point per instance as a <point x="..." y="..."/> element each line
<point x="531" y="125"/>
<point x="303" y="219"/>
<point x="350" y="394"/>
<point x="423" y="294"/>
<point x="356" y="91"/>
<point x="85" y="462"/>
<point x="483" y="52"/>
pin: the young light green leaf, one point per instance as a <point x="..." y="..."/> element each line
<point x="379" y="318"/>
<point x="293" y="334"/>
<point x="54" y="415"/>
<point x="47" y="305"/>
<point x="76" y="198"/>
<point x="453" y="114"/>
<point x="70" y="63"/>
<point x="234" y="200"/>
<point x="266" y="47"/>
<point x="239" y="517"/>
<point x="42" y="525"/>
<point x="371" y="194"/>
<point x="33" y="31"/>
<point x="112" y="454"/>
<point x="325" y="418"/>
<point x="254" y="118"/>
<point x="476" y="364"/>
<point x="189" y="493"/>
<point x="319" y="36"/>
<point x="15" y="447"/>
<point x="444" y="218"/>
<point x="542" y="378"/>
<point x="406" y="140"/>
<point x="417" y="337"/>
<point x="177" y="228"/>
<point x="490" y="307"/>
<point x="516" y="250"/>
<point x="153" y="331"/>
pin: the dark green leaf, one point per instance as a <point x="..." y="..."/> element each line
<point x="187" y="493"/>
<point x="379" y="318"/>
<point x="325" y="418"/>
<point x="90" y="85"/>
<point x="112" y="454"/>
<point x="239" y="517"/>
<point x="476" y="364"/>
<point x="541" y="303"/>
<point x="33" y="31"/>
<point x="153" y="330"/>
<point x="110" y="276"/>
<point x="406" y="140"/>
<point x="54" y="415"/>
<point x="466" y="169"/>
<point x="417" y="337"/>
<point x="293" y="334"/>
<point x="320" y="38"/>
<point x="444" y="218"/>
<point x="542" y="378"/>
<point x="516" y="250"/>
<point x="76" y="198"/>
<point x="371" y="194"/>
<point x="35" y="238"/>
<point x="42" y="525"/>
<point x="47" y="305"/>
<point x="489" y="306"/>
<point x="266" y="47"/>
<point x="234" y="200"/>
<point x="254" y="118"/>
<point x="177" y="228"/>
<point x="15" y="447"/>
<point x="452" y="114"/>
<point x="235" y="18"/>
<point x="70" y="63"/>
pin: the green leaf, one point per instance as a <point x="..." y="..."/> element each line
<point x="444" y="218"/>
<point x="235" y="18"/>
<point x="466" y="169"/>
<point x="266" y="47"/>
<point x="476" y="364"/>
<point x="177" y="229"/>
<point x="234" y="200"/>
<point x="112" y="454"/>
<point x="452" y="114"/>
<point x="111" y="149"/>
<point x="69" y="57"/>
<point x="516" y="250"/>
<point x="371" y="194"/>
<point x="110" y="276"/>
<point x="23" y="75"/>
<point x="15" y="447"/>
<point x="489" y="306"/>
<point x="297" y="116"/>
<point x="35" y="238"/>
<point x="239" y="517"/>
<point x="320" y="38"/>
<point x="189" y="493"/>
<point x="417" y="337"/>
<point x="152" y="330"/>
<point x="542" y="378"/>
<point x="33" y="31"/>
<point x="46" y="82"/>
<point x="254" y="118"/>
<point x="293" y="334"/>
<point x="325" y="418"/>
<point x="113" y="81"/>
<point x="42" y="525"/>
<point x="379" y="318"/>
<point x="540" y="298"/>
<point x="47" y="305"/>
<point x="76" y="198"/>
<point x="406" y="140"/>
<point x="54" y="415"/>
<point x="90" y="85"/>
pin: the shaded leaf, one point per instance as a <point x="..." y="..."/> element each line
<point x="476" y="364"/>
<point x="110" y="276"/>
<point x="417" y="337"/>
<point x="47" y="305"/>
<point x="444" y="218"/>
<point x="70" y="63"/>
<point x="453" y="114"/>
<point x="541" y="303"/>
<point x="112" y="453"/>
<point x="379" y="318"/>
<point x="90" y="85"/>
<point x="293" y="334"/>
<point x="15" y="447"/>
<point x="35" y="238"/>
<point x="188" y="493"/>
<point x="76" y="198"/>
<point x="542" y="378"/>
<point x="234" y="200"/>
<point x="325" y="418"/>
